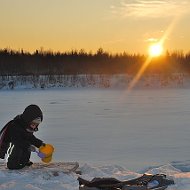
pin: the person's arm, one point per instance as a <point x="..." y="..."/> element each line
<point x="35" y="141"/>
<point x="18" y="137"/>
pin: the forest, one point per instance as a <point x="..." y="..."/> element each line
<point x="75" y="62"/>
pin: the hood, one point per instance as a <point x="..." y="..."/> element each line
<point x="30" y="113"/>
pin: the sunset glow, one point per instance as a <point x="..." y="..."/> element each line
<point x="116" y="26"/>
<point x="155" y="50"/>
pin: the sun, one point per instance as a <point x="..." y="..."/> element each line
<point x="155" y="50"/>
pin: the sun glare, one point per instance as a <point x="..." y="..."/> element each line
<point x="155" y="50"/>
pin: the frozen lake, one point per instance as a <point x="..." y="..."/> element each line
<point x="141" y="129"/>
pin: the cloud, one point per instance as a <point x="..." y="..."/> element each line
<point x="151" y="8"/>
<point x="152" y="40"/>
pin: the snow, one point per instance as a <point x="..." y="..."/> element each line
<point x="111" y="133"/>
<point x="45" y="179"/>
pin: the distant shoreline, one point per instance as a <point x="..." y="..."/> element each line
<point x="121" y="81"/>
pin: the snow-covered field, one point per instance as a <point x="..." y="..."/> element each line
<point x="111" y="133"/>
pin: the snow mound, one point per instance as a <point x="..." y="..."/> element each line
<point x="40" y="176"/>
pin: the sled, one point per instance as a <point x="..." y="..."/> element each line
<point x="140" y="183"/>
<point x="65" y="167"/>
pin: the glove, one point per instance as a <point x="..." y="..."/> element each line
<point x="41" y="155"/>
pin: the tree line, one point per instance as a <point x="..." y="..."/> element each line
<point x="75" y="62"/>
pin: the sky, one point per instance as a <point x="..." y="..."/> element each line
<point x="114" y="25"/>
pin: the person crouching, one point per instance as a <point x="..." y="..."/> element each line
<point x="18" y="135"/>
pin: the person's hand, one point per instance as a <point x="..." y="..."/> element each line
<point x="41" y="155"/>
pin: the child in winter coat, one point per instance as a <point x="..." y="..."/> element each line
<point x="16" y="137"/>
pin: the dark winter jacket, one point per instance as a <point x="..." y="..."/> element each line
<point x="18" y="134"/>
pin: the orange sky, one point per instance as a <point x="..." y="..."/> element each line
<point x="114" y="25"/>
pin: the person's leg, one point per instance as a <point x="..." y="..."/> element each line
<point x="3" y="150"/>
<point x="25" y="160"/>
<point x="15" y="154"/>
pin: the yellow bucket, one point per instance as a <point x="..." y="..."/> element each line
<point x="48" y="150"/>
<point x="47" y="159"/>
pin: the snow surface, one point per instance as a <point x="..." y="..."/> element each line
<point x="111" y="133"/>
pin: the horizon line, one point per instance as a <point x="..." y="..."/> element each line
<point x="82" y="50"/>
